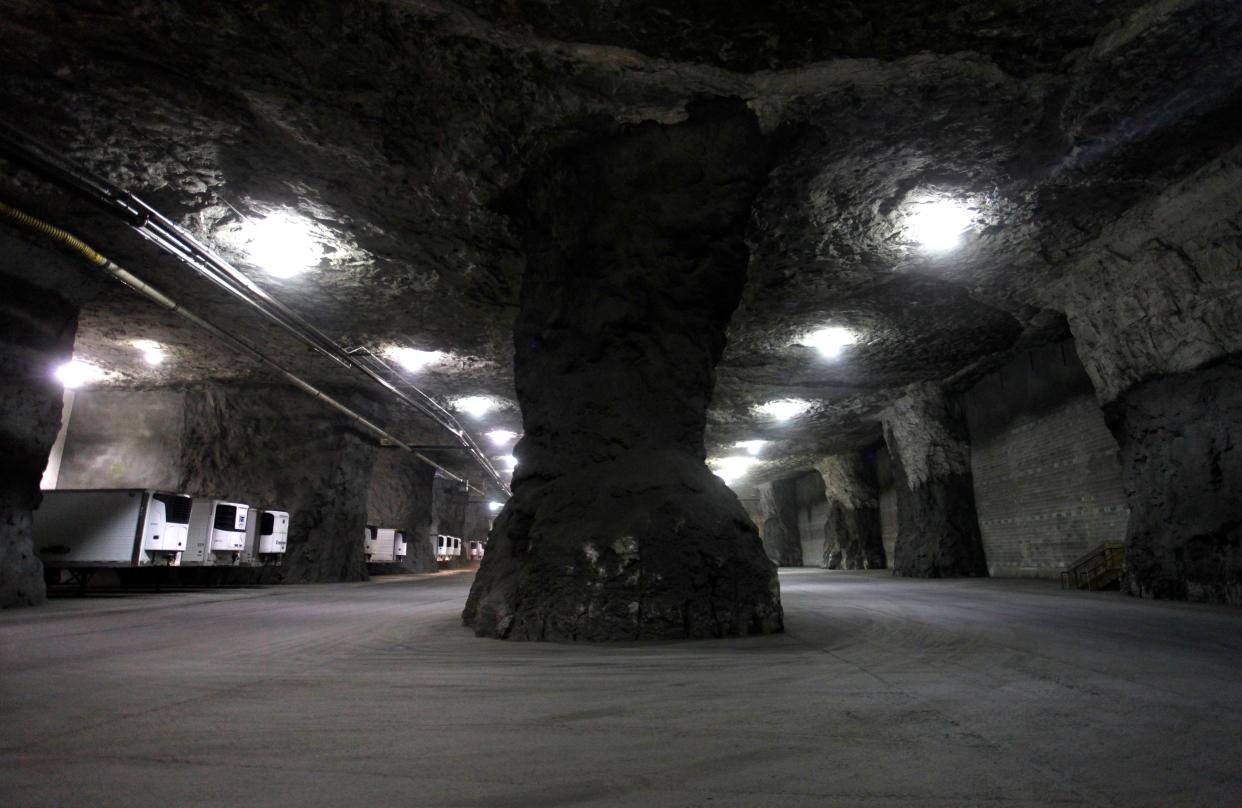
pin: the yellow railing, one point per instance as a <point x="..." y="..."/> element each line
<point x="1098" y="569"/>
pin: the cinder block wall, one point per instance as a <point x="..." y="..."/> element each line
<point x="1046" y="471"/>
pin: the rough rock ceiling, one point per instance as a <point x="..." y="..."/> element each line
<point x="396" y="126"/>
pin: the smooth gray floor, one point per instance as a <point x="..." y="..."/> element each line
<point x="883" y="692"/>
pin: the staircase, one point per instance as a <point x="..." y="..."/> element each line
<point x="1099" y="569"/>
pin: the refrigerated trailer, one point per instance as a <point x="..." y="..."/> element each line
<point x="217" y="533"/>
<point x="129" y="527"/>
<point x="382" y="545"/>
<point x="447" y="547"/>
<point x="267" y="536"/>
<point x="370" y="544"/>
<point x="399" y="547"/>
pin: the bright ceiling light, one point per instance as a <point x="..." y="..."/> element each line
<point x="152" y="351"/>
<point x="829" y="341"/>
<point x="731" y="468"/>
<point x="937" y="224"/>
<point x="495" y="506"/>
<point x="752" y="446"/>
<point x="411" y="359"/>
<point x="283" y="244"/>
<point x="501" y="436"/>
<point x="475" y="406"/>
<point x="509" y="460"/>
<point x="783" y="409"/>
<point x="76" y="373"/>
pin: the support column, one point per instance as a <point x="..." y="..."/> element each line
<point x="1181" y="455"/>
<point x="635" y="263"/>
<point x="400" y="496"/>
<point x="276" y="447"/>
<point x="778" y="502"/>
<point x="448" y="515"/>
<point x="36" y="335"/>
<point x="852" y="529"/>
<point x="937" y="527"/>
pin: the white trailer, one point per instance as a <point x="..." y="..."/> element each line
<point x="267" y="536"/>
<point x="447" y="547"/>
<point x="399" y="547"/>
<point x="217" y="534"/>
<point x="371" y="543"/>
<point x="383" y="548"/>
<point x="129" y="527"/>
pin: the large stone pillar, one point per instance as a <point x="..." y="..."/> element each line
<point x="276" y="447"/>
<point x="635" y="263"/>
<point x="400" y="496"/>
<point x="1181" y="455"/>
<point x="937" y="527"/>
<point x="36" y="335"/>
<point x="778" y="502"/>
<point x="852" y="529"/>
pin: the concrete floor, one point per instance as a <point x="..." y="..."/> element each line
<point x="883" y="692"/>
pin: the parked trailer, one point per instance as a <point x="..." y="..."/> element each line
<point x="217" y="534"/>
<point x="447" y="547"/>
<point x="370" y="544"/>
<point x="267" y="536"/>
<point x="400" y="549"/>
<point x="129" y="527"/>
<point x="383" y="549"/>
<point x="476" y="550"/>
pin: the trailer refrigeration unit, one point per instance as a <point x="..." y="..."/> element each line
<point x="217" y="533"/>
<point x="370" y="544"/>
<point x="382" y="549"/>
<point x="267" y="536"/>
<point x="399" y="547"/>
<point x="111" y="528"/>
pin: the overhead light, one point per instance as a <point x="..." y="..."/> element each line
<point x="782" y="409"/>
<point x="829" y="341"/>
<point x="937" y="224"/>
<point x="411" y="359"/>
<point x="475" y="406"/>
<point x="730" y="469"/>
<point x="283" y="244"/>
<point x="501" y="436"/>
<point x="508" y="460"/>
<point x="495" y="506"/>
<point x="752" y="446"/>
<point x="152" y="352"/>
<point x="76" y="373"/>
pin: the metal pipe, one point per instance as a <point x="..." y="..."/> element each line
<point x="76" y="245"/>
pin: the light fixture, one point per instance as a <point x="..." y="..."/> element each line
<point x="936" y="224"/>
<point x="508" y="460"/>
<point x="752" y="446"/>
<point x="76" y="373"/>
<point x="411" y="359"/>
<point x="494" y="506"/>
<point x="152" y="351"/>
<point x="731" y="468"/>
<point x="501" y="436"/>
<point x="782" y="409"/>
<point x="283" y="244"/>
<point x="475" y="406"/>
<point x="829" y="341"/>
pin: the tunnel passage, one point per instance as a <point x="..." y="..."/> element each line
<point x="635" y="263"/>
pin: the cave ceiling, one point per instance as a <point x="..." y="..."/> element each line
<point x="395" y="128"/>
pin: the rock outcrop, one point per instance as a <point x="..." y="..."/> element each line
<point x="937" y="527"/>
<point x="782" y="541"/>
<point x="852" y="529"/>
<point x="36" y="335"/>
<point x="635" y="262"/>
<point x="1180" y="441"/>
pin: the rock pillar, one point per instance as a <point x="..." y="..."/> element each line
<point x="400" y="496"/>
<point x="937" y="527"/>
<point x="276" y="447"/>
<point x="852" y="529"/>
<point x="635" y="263"/>
<point x="36" y="335"/>
<point x="782" y="541"/>
<point x="1181" y="455"/>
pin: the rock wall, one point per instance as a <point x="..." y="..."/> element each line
<point x="1045" y="467"/>
<point x="274" y="446"/>
<point x="400" y="495"/>
<point x="888" y="502"/>
<point x="124" y="439"/>
<point x="635" y="264"/>
<point x="36" y="335"/>
<point x="778" y="502"/>
<point x="852" y="527"/>
<point x="937" y="527"/>
<point x="1180" y="439"/>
